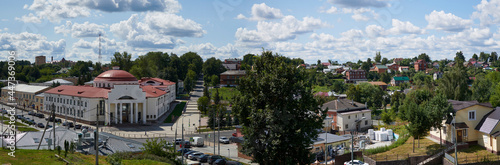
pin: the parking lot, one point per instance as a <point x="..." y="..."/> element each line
<point x="226" y="150"/>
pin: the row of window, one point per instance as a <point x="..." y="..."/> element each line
<point x="356" y="115"/>
<point x="67" y="111"/>
<point x="347" y="125"/>
<point x="66" y="101"/>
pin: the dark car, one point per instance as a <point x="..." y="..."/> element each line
<point x="78" y="126"/>
<point x="71" y="125"/>
<point x="40" y="125"/>
<point x="233" y="163"/>
<point x="183" y="150"/>
<point x="85" y="127"/>
<point x="31" y="113"/>
<point x="58" y="121"/>
<point x="65" y="123"/>
<point x="186" y="144"/>
<point x="212" y="158"/>
<point x="51" y="119"/>
<point x="40" y="115"/>
<point x="31" y="122"/>
<point x="202" y="158"/>
<point x="187" y="153"/>
<point x="220" y="162"/>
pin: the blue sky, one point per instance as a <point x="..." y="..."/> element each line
<point x="339" y="30"/>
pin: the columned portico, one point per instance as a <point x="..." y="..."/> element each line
<point x="136" y="112"/>
<point x="144" y="111"/>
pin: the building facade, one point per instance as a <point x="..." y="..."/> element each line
<point x="420" y="65"/>
<point x="229" y="78"/>
<point x="398" y="80"/>
<point x="355" y="75"/>
<point x="39" y="60"/>
<point x="348" y="115"/>
<point x="25" y="95"/>
<point x="124" y="99"/>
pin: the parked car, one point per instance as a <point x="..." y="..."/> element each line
<point x="202" y="158"/>
<point x="40" y="125"/>
<point x="51" y="119"/>
<point x="224" y="140"/>
<point x="221" y="161"/>
<point x="355" y="162"/>
<point x="178" y="141"/>
<point x="78" y="126"/>
<point x="233" y="163"/>
<point x="186" y="144"/>
<point x="192" y="155"/>
<point x="185" y="150"/>
<point x="85" y="127"/>
<point x="58" y="121"/>
<point x="212" y="158"/>
<point x="40" y="115"/>
<point x="187" y="153"/>
<point x="198" y="141"/>
<point x="31" y="113"/>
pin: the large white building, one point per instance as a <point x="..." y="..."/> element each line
<point x="125" y="99"/>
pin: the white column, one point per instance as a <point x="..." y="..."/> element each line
<point x="130" y="107"/>
<point x="116" y="113"/>
<point x="120" y="112"/>
<point x="136" y="110"/>
<point x="106" y="112"/>
<point x="144" y="112"/>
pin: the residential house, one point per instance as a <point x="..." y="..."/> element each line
<point x="437" y="75"/>
<point x="330" y="142"/>
<point x="435" y="65"/>
<point x="450" y="64"/>
<point x="467" y="64"/>
<point x="474" y="123"/>
<point x="420" y="65"/>
<point x="352" y="76"/>
<point x="232" y="66"/>
<point x="393" y="66"/>
<point x="325" y="64"/>
<point x="347" y="115"/>
<point x="229" y="78"/>
<point x="397" y="60"/>
<point x="380" y="68"/>
<point x="398" y="80"/>
<point x="404" y="68"/>
<point x="381" y="84"/>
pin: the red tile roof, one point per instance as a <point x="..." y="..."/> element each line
<point x="153" y="91"/>
<point x="115" y="75"/>
<point x="80" y="91"/>
<point x="162" y="81"/>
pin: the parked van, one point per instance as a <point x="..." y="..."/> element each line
<point x="198" y="141"/>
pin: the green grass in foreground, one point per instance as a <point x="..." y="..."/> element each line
<point x="46" y="157"/>
<point x="226" y="93"/>
<point x="177" y="112"/>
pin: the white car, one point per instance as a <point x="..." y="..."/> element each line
<point x="224" y="140"/>
<point x="355" y="162"/>
<point x="193" y="155"/>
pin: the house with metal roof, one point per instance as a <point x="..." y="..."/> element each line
<point x="474" y="123"/>
<point x="398" y="80"/>
<point x="347" y="115"/>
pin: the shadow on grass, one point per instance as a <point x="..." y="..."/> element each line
<point x="433" y="149"/>
<point x="472" y="149"/>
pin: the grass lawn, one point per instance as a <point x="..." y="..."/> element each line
<point x="46" y="157"/>
<point x="27" y="129"/>
<point x="226" y="93"/>
<point x="318" y="88"/>
<point x="475" y="153"/>
<point x="394" y="88"/>
<point x="427" y="147"/>
<point x="177" y="112"/>
<point x="20" y="126"/>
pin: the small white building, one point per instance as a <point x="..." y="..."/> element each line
<point x="348" y="115"/>
<point x="60" y="81"/>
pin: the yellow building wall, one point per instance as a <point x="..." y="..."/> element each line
<point x="445" y="132"/>
<point x="463" y="116"/>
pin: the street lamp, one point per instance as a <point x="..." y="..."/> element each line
<point x="455" y="139"/>
<point x="326" y="138"/>
<point x="352" y="139"/>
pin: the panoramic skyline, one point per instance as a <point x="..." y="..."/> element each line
<point x="338" y="30"/>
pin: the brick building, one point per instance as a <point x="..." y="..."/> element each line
<point x="420" y="65"/>
<point x="229" y="78"/>
<point x="355" y="75"/>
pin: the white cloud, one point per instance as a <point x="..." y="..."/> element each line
<point x="374" y="31"/>
<point x="29" y="45"/>
<point x="359" y="14"/>
<point x="400" y="27"/>
<point x="155" y="30"/>
<point x="263" y="12"/>
<point x="360" y="3"/>
<point x="171" y="6"/>
<point x="331" y="10"/>
<point x="287" y="29"/>
<point x="446" y="21"/>
<point x="487" y="12"/>
<point x="53" y="10"/>
<point x="80" y="30"/>
<point x="207" y="50"/>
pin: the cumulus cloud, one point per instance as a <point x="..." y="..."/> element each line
<point x="446" y="21"/>
<point x="80" y="30"/>
<point x="331" y="10"/>
<point x="52" y="10"/>
<point x="155" y="30"/>
<point x="487" y="12"/>
<point x="172" y="6"/>
<point x="374" y="31"/>
<point x="262" y="12"/>
<point x="400" y="27"/>
<point x="28" y="45"/>
<point x="288" y="28"/>
<point x="360" y="3"/>
<point x="359" y="14"/>
<point x="207" y="50"/>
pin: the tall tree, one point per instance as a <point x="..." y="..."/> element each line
<point x="438" y="109"/>
<point x="459" y="58"/>
<point x="454" y="84"/>
<point x="418" y="118"/>
<point x="378" y="57"/>
<point x="385" y="61"/>
<point x="481" y="89"/>
<point x="275" y="101"/>
<point x="493" y="57"/>
<point x="474" y="56"/>
<point x="123" y="60"/>
<point x="495" y="97"/>
<point x="212" y="66"/>
<point x="190" y="81"/>
<point x="248" y="61"/>
<point x="424" y="57"/>
<point x="203" y="103"/>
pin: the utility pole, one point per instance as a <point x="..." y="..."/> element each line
<point x="53" y="124"/>
<point x="213" y="114"/>
<point x="96" y="138"/>
<point x="183" y="143"/>
<point x="47" y="125"/>
<point x="218" y="131"/>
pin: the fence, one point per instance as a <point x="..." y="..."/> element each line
<point x="389" y="157"/>
<point x="464" y="159"/>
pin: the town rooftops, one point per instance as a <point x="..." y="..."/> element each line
<point x="381" y="66"/>
<point x="229" y="66"/>
<point x="401" y="78"/>
<point x="27" y="88"/>
<point x="61" y="81"/>
<point x="379" y="83"/>
<point x="234" y="72"/>
<point x="341" y="105"/>
<point x="330" y="138"/>
<point x="489" y="121"/>
<point x="458" y="105"/>
<point x="80" y="91"/>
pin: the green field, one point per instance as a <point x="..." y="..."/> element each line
<point x="318" y="88"/>
<point x="226" y="93"/>
<point x="46" y="157"/>
<point x="177" y="112"/>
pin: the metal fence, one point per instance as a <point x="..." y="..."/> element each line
<point x="464" y="159"/>
<point x="387" y="157"/>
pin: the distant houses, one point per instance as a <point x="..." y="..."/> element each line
<point x="230" y="77"/>
<point x="348" y="115"/>
<point x="398" y="80"/>
<point x="352" y="76"/>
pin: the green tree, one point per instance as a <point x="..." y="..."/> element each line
<point x="211" y="116"/>
<point x="495" y="97"/>
<point x="459" y="58"/>
<point x="438" y="108"/>
<point x="385" y="61"/>
<point x="229" y="120"/>
<point x="424" y="57"/>
<point x="378" y="57"/>
<point x="417" y="96"/>
<point x="203" y="103"/>
<point x="275" y="101"/>
<point x="481" y="89"/>
<point x="397" y="99"/>
<point x="366" y="66"/>
<point x="454" y="84"/>
<point x="123" y="60"/>
<point x="493" y="57"/>
<point x="475" y="56"/>
<point x="212" y="66"/>
<point x="214" y="80"/>
<point x="190" y="81"/>
<point x="386" y="117"/>
<point x="418" y="118"/>
<point x="385" y="77"/>
<point x="216" y="97"/>
<point x="158" y="147"/>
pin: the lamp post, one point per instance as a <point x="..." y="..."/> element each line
<point x="326" y="137"/>
<point x="352" y="139"/>
<point x="455" y="138"/>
